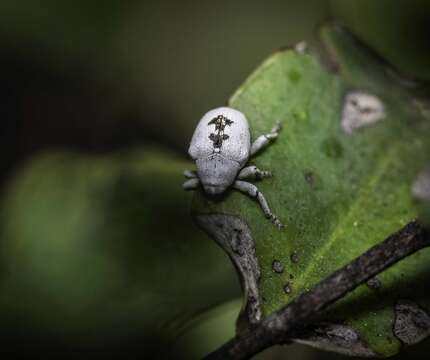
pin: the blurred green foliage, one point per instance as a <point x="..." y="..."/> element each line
<point x="104" y="246"/>
<point x="397" y="30"/>
<point x="168" y="61"/>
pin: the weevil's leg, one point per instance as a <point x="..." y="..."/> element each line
<point x="190" y="174"/>
<point x="252" y="191"/>
<point x="191" y="184"/>
<point x="263" y="140"/>
<point x="252" y="172"/>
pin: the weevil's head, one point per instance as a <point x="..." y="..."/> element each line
<point x="214" y="189"/>
<point x="216" y="173"/>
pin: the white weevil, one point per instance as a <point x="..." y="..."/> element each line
<point x="221" y="147"/>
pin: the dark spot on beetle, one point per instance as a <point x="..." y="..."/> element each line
<point x="332" y="148"/>
<point x="220" y="123"/>
<point x="287" y="288"/>
<point x="294" y="257"/>
<point x="217" y="139"/>
<point x="294" y="76"/>
<point x="374" y="283"/>
<point x="291" y="276"/>
<point x="277" y="266"/>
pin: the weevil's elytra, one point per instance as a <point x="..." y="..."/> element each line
<point x="221" y="147"/>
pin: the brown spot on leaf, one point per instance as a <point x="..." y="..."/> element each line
<point x="332" y="148"/>
<point x="374" y="283"/>
<point x="412" y="323"/>
<point x="310" y="178"/>
<point x="277" y="266"/>
<point x="294" y="257"/>
<point x="335" y="337"/>
<point x="287" y="288"/>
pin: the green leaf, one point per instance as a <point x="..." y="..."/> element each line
<point x="102" y="249"/>
<point x="338" y="191"/>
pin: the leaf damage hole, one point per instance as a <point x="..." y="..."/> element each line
<point x="412" y="323"/>
<point x="421" y="186"/>
<point x="361" y="109"/>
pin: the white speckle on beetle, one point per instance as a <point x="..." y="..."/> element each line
<point x="421" y="186"/>
<point x="361" y="109"/>
<point x="221" y="147"/>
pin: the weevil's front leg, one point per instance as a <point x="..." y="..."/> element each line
<point x="263" y="140"/>
<point x="252" y="190"/>
<point x="252" y="172"/>
<point x="191" y="184"/>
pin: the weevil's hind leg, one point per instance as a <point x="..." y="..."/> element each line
<point x="263" y="140"/>
<point x="254" y="173"/>
<point x="191" y="184"/>
<point x="252" y="191"/>
<point x="190" y="174"/>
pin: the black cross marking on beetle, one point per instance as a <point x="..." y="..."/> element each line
<point x="220" y="123"/>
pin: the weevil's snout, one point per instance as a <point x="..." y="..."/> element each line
<point x="216" y="173"/>
<point x="214" y="189"/>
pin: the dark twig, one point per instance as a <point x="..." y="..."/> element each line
<point x="278" y="327"/>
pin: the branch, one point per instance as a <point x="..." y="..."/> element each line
<point x="279" y="326"/>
